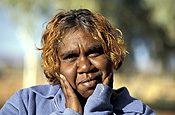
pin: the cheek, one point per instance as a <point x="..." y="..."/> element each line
<point x="69" y="71"/>
<point x="102" y="63"/>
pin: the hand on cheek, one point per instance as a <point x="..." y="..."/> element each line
<point x="109" y="80"/>
<point x="70" y="96"/>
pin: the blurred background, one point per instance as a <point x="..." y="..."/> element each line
<point x="149" y="31"/>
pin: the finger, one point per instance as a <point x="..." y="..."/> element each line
<point x="67" y="87"/>
<point x="109" y="79"/>
<point x="66" y="82"/>
<point x="70" y="96"/>
<point x="63" y="87"/>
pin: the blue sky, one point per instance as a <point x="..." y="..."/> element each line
<point x="10" y="45"/>
<point x="11" y="48"/>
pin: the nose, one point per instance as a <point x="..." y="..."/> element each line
<point x="83" y="65"/>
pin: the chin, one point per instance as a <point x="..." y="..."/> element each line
<point x="88" y="93"/>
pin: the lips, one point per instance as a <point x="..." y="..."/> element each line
<point x="90" y="82"/>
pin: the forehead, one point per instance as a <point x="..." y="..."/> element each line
<point x="78" y="37"/>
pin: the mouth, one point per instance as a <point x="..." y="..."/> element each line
<point x="90" y="82"/>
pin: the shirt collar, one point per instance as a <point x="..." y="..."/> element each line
<point x="51" y="92"/>
<point x="46" y="91"/>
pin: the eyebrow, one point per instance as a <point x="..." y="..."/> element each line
<point x="67" y="53"/>
<point x="91" y="49"/>
<point x="97" y="47"/>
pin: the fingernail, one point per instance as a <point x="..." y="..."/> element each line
<point x="61" y="75"/>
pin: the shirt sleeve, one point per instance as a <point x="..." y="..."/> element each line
<point x="99" y="102"/>
<point x="68" y="111"/>
<point x="11" y="107"/>
<point x="148" y="110"/>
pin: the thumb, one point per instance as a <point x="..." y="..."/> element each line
<point x="109" y="79"/>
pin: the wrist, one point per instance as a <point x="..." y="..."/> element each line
<point x="102" y="91"/>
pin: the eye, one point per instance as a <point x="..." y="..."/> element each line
<point x="93" y="55"/>
<point x="70" y="58"/>
<point x="96" y="53"/>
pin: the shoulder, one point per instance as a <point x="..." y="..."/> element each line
<point x="124" y="103"/>
<point x="45" y="91"/>
<point x="26" y="98"/>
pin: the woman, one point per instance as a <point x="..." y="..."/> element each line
<point x="80" y="51"/>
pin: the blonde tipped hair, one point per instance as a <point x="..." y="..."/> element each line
<point x="96" y="25"/>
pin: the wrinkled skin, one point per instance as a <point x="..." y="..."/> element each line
<point x="83" y="65"/>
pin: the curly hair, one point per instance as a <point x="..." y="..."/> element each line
<point x="94" y="24"/>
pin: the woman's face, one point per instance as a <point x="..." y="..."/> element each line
<point x="83" y="62"/>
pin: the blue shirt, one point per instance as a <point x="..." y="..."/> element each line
<point x="50" y="100"/>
